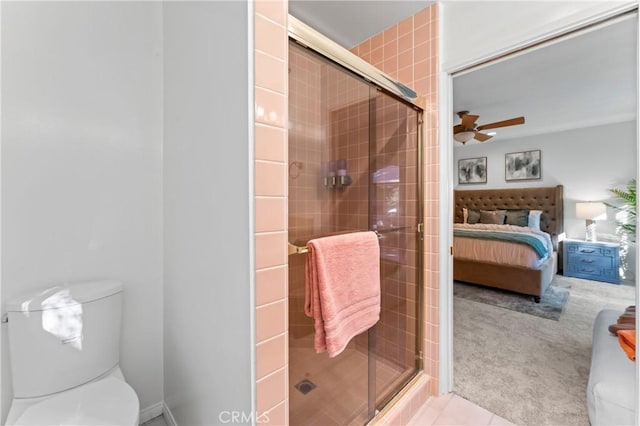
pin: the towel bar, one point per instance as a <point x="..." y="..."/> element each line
<point x="297" y="250"/>
<point x="293" y="249"/>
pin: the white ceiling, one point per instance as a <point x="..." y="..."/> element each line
<point x="350" y="22"/>
<point x="585" y="80"/>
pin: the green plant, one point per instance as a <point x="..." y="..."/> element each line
<point x="627" y="204"/>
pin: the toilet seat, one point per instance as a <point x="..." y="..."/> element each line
<point x="106" y="402"/>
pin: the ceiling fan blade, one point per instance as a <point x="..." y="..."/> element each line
<point x="482" y="137"/>
<point x="505" y="123"/>
<point x="458" y="128"/>
<point x="469" y="120"/>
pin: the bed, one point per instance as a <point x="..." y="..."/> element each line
<point x="530" y="280"/>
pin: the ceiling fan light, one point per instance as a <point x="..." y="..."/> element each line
<point x="464" y="137"/>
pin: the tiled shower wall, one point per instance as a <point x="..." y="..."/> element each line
<point x="408" y="52"/>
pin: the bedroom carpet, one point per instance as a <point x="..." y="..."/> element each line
<point x="527" y="369"/>
<point x="551" y="304"/>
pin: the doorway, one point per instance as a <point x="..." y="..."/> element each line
<point x="554" y="164"/>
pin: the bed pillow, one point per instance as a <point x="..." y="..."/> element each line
<point x="473" y="216"/>
<point x="518" y="217"/>
<point x="495" y="217"/>
<point x="534" y="218"/>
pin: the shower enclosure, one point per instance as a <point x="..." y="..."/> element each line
<point x="354" y="159"/>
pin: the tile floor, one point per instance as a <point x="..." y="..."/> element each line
<point x="452" y="410"/>
<point x="446" y="410"/>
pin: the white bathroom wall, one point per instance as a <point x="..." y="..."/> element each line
<point x="508" y="24"/>
<point x="81" y="163"/>
<point x="207" y="234"/>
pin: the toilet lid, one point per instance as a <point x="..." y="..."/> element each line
<point x="107" y="402"/>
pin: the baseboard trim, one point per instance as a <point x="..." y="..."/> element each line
<point x="151" y="412"/>
<point x="168" y="417"/>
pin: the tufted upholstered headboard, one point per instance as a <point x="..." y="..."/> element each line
<point x="549" y="199"/>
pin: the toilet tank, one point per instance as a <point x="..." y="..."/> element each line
<point x="64" y="336"/>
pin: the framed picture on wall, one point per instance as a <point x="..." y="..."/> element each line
<point x="525" y="165"/>
<point x="472" y="170"/>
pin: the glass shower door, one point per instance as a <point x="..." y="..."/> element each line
<point x="351" y="169"/>
<point x="395" y="215"/>
<point x="328" y="131"/>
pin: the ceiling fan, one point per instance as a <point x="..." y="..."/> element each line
<point x="468" y="129"/>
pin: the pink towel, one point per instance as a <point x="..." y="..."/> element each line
<point x="342" y="288"/>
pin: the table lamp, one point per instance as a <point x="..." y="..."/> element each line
<point x="591" y="212"/>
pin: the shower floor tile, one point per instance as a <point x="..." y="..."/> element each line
<point x="340" y="396"/>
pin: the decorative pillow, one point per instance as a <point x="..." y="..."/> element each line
<point x="519" y="217"/>
<point x="473" y="216"/>
<point x="534" y="218"/>
<point x="465" y="215"/>
<point x="492" y="216"/>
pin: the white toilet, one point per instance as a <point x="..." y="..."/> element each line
<point x="64" y="347"/>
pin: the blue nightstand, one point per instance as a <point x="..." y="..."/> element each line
<point x="599" y="261"/>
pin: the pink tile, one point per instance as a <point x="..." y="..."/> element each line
<point x="433" y="47"/>
<point x="270" y="356"/>
<point x="405" y="76"/>
<point x="390" y="34"/>
<point x="364" y="47"/>
<point x="390" y="65"/>
<point x="405" y="42"/>
<point x="405" y="59"/>
<point x="270" y="214"/>
<point x="459" y="411"/>
<point x="377" y="41"/>
<point x="432" y="13"/>
<point x="271" y="285"/>
<point x="421" y="69"/>
<point x="390" y="49"/>
<point x="270" y="250"/>
<point x="421" y="52"/>
<point x="277" y="416"/>
<point x="275" y="11"/>
<point x="270" y="320"/>
<point x="270" y="179"/>
<point x="405" y="27"/>
<point x="421" y="18"/>
<point x="270" y="391"/>
<point x="270" y="72"/>
<point x="377" y="56"/>
<point x="439" y="403"/>
<point x="271" y="143"/>
<point x="270" y="108"/>
<point x="425" y="416"/>
<point x="421" y="35"/>
<point x="420" y="85"/>
<point x="270" y="38"/>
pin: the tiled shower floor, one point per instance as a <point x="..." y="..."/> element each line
<point x="340" y="397"/>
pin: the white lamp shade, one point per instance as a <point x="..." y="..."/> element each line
<point x="464" y="136"/>
<point x="591" y="211"/>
